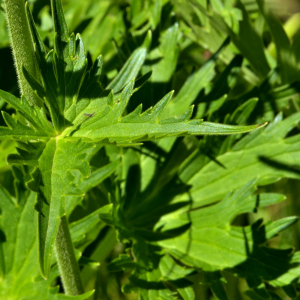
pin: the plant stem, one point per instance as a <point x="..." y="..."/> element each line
<point x="22" y="46"/>
<point x="69" y="270"/>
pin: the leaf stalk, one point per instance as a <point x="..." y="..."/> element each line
<point x="68" y="266"/>
<point x="22" y="47"/>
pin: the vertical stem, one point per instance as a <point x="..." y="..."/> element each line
<point x="69" y="270"/>
<point x="22" y="46"/>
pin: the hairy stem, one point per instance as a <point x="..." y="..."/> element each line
<point x="22" y="46"/>
<point x="69" y="270"/>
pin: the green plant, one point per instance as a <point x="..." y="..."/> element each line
<point x="152" y="195"/>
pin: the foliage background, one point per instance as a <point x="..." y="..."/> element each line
<point x="115" y="28"/>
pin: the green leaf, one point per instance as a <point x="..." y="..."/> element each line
<point x="154" y="283"/>
<point x="123" y="262"/>
<point x="105" y="20"/>
<point x="98" y="176"/>
<point x="193" y="85"/>
<point x="152" y="207"/>
<point x="213" y="244"/>
<point x="167" y="53"/>
<point x="34" y="115"/>
<point x="244" y="39"/>
<point x="247" y="36"/>
<point x="6" y="148"/>
<point x="71" y="90"/>
<point x="80" y="228"/>
<point x="145" y="14"/>
<point x="264" y="154"/>
<point x="254" y="296"/>
<point x="85" y="184"/>
<point x="285" y="55"/>
<point x="132" y="66"/>
<point x="18" y="131"/>
<point x="60" y="87"/>
<point x="137" y="127"/>
<point x="187" y="293"/>
<point x="53" y="181"/>
<point x="19" y="270"/>
<point x="56" y="164"/>
<point x="216" y="282"/>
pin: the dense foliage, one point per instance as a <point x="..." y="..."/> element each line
<point x="128" y="140"/>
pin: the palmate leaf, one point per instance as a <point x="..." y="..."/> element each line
<point x="209" y="242"/>
<point x="158" y="185"/>
<point x="212" y="244"/>
<point x="19" y="269"/>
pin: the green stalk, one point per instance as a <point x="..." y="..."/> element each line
<point x="22" y="46"/>
<point x="69" y="270"/>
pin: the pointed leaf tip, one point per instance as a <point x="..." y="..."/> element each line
<point x="60" y="25"/>
<point x="262" y="124"/>
<point x="148" y="40"/>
